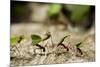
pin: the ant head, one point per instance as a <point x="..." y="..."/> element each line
<point x="48" y="33"/>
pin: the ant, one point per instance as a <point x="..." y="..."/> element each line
<point x="48" y="35"/>
<point x="61" y="43"/>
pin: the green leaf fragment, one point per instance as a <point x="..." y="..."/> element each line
<point x="13" y="40"/>
<point x="78" y="44"/>
<point x="36" y="39"/>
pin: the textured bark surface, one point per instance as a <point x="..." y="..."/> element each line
<point x="25" y="53"/>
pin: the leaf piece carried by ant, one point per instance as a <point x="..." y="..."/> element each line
<point x="78" y="44"/>
<point x="36" y="39"/>
<point x="13" y="40"/>
<point x="16" y="39"/>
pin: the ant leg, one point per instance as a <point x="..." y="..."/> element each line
<point x="41" y="47"/>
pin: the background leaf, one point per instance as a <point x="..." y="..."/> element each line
<point x="54" y="9"/>
<point x="78" y="12"/>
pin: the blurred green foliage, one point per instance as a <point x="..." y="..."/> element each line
<point x="54" y="9"/>
<point x="78" y="12"/>
<point x="19" y="10"/>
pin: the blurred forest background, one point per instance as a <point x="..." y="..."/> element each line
<point x="82" y="16"/>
